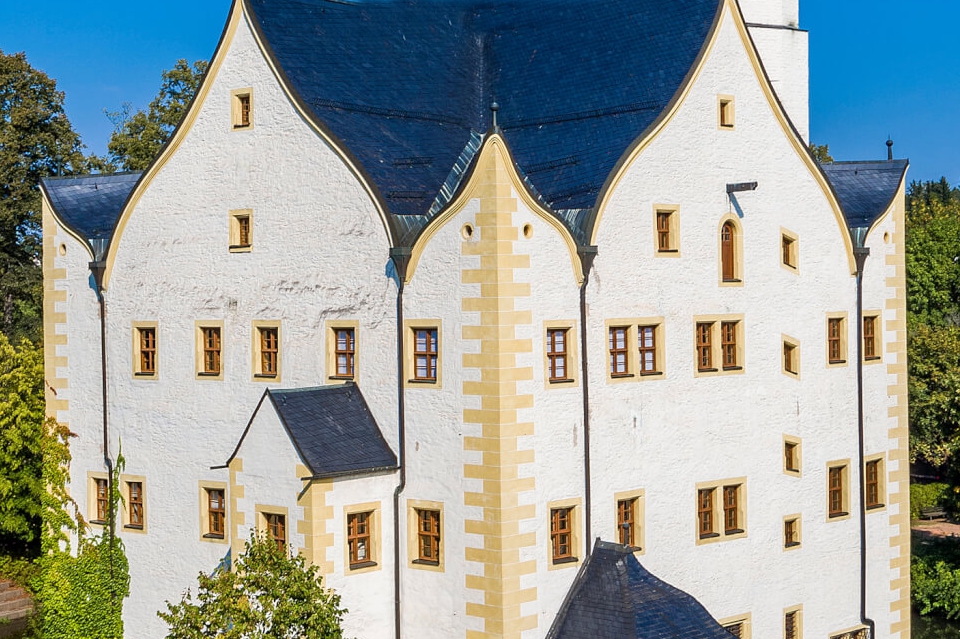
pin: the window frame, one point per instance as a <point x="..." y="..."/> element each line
<point x="840" y="340"/>
<point x="263" y="515"/>
<point x="726" y="112"/>
<point x="332" y="329"/>
<point x="719" y="509"/>
<point x="797" y="448"/>
<point x="430" y="354"/>
<point x="127" y="508"/>
<point x="743" y="620"/>
<point x="557" y="373"/>
<point x="797" y="615"/>
<point x="200" y="332"/>
<point x="237" y="120"/>
<point x="236" y="243"/>
<point x="619" y="351"/>
<point x="879" y="482"/>
<point x="575" y="555"/>
<point x="790" y="356"/>
<point x="571" y="363"/>
<point x="638" y="529"/>
<point x="635" y="350"/>
<point x="93" y="498"/>
<point x="796" y="521"/>
<point x="138" y="330"/>
<point x="735" y="262"/>
<point x="670" y="231"/>
<point x="258" y="328"/>
<point x="203" y="499"/>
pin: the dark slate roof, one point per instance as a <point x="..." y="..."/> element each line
<point x="614" y="597"/>
<point x="333" y="430"/>
<point x="90" y="204"/>
<point x="865" y="189"/>
<point x="406" y="86"/>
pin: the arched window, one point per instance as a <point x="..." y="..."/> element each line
<point x="728" y="252"/>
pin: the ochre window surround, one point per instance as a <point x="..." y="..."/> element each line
<point x="146" y="352"/>
<point x="561" y="363"/>
<point x="423" y="353"/>
<point x="792" y="456"/>
<point x="343" y="350"/>
<point x="789" y="251"/>
<point x="730" y="251"/>
<point x="836" y="342"/>
<point x="425" y="535"/>
<point x="721" y="509"/>
<point x="838" y="490"/>
<point x="792" y="531"/>
<point x="630" y="512"/>
<point x="872" y="333"/>
<point x="875" y="485"/>
<point x="266" y="350"/>
<point x="790" y="358"/>
<point x="635" y="349"/>
<point x="361" y="529"/>
<point x="212" y="499"/>
<point x="273" y="523"/>
<point x="719" y="345"/>
<point x="209" y="349"/>
<point x="740" y="626"/>
<point x="98" y="498"/>
<point x="241" y="231"/>
<point x="793" y="622"/>
<point x="133" y="488"/>
<point x="666" y="230"/>
<point x="241" y="109"/>
<point x="726" y="112"/>
<point x="564" y="543"/>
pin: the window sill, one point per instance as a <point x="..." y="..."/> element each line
<point x="206" y="374"/>
<point x="241" y="127"/>
<point x="212" y="536"/>
<point x="425" y="562"/>
<point x="733" y="281"/>
<point x="707" y="370"/>
<point x="709" y="535"/>
<point x="139" y="374"/>
<point x="565" y="560"/>
<point x="875" y="506"/>
<point x="421" y="381"/>
<point x="265" y="375"/>
<point x="620" y="375"/>
<point x="650" y="373"/>
<point x="343" y="378"/>
<point x="794" y="544"/>
<point x="363" y="564"/>
<point x="871" y="359"/>
<point x="790" y="266"/>
<point x="833" y="362"/>
<point x="562" y="381"/>
<point x="733" y="368"/>
<point x="133" y="526"/>
<point x="838" y="515"/>
<point x="98" y="522"/>
<point x="792" y="471"/>
<point x="668" y="251"/>
<point x="734" y="531"/>
<point x="241" y="248"/>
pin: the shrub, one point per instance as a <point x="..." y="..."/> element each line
<point x="927" y="496"/>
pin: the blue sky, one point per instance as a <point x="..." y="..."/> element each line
<point x="877" y="67"/>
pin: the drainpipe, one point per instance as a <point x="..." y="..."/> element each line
<point x="860" y="253"/>
<point x="400" y="257"/>
<point x="587" y="255"/>
<point x="97" y="268"/>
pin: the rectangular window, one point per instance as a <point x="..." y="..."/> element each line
<point x="873" y="482"/>
<point x="344" y="352"/>
<point x="791" y="624"/>
<point x="618" y="351"/>
<point x="103" y="499"/>
<point x="731" y="510"/>
<point x="791" y="532"/>
<point x="726" y="111"/>
<point x="647" y="341"/>
<point x="428" y="534"/>
<point x="269" y="351"/>
<point x="835" y="340"/>
<point x="837" y="491"/>
<point x="211" y="350"/>
<point x="736" y="629"/>
<point x="705" y="512"/>
<point x="358" y="540"/>
<point x="789" y="250"/>
<point x="277" y="529"/>
<point x="216" y="513"/>
<point x="134" y="504"/>
<point x="663" y="230"/>
<point x="791" y="358"/>
<point x="244" y="111"/>
<point x="557" y="354"/>
<point x="705" y="346"/>
<point x="242" y="108"/>
<point x="148" y="350"/>
<point x="241" y="230"/>
<point x="627" y="522"/>
<point x="425" y="354"/>
<point x="791" y="457"/>
<point x="561" y="535"/>
<point x="728" y="344"/>
<point x="870" y="350"/>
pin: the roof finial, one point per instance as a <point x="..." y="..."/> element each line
<point x="494" y="107"/>
<point x="889" y="149"/>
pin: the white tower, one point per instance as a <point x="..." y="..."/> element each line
<point x="775" y="28"/>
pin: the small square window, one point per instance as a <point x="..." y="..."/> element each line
<point x="241" y="231"/>
<point x="726" y="111"/>
<point x="241" y="109"/>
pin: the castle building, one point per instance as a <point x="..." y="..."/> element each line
<point x="518" y="319"/>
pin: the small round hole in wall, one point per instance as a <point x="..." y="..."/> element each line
<point x="528" y="231"/>
<point x="63" y="249"/>
<point x="466" y="231"/>
<point x="886" y="238"/>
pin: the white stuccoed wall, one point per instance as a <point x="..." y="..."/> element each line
<point x="319" y="253"/>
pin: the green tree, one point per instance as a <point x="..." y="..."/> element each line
<point x="138" y="137"/>
<point x="36" y="141"/>
<point x="269" y="594"/>
<point x="821" y="152"/>
<point x="21" y="447"/>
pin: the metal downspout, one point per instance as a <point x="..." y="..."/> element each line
<point x="400" y="257"/>
<point x="587" y="255"/>
<point x="861" y="253"/>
